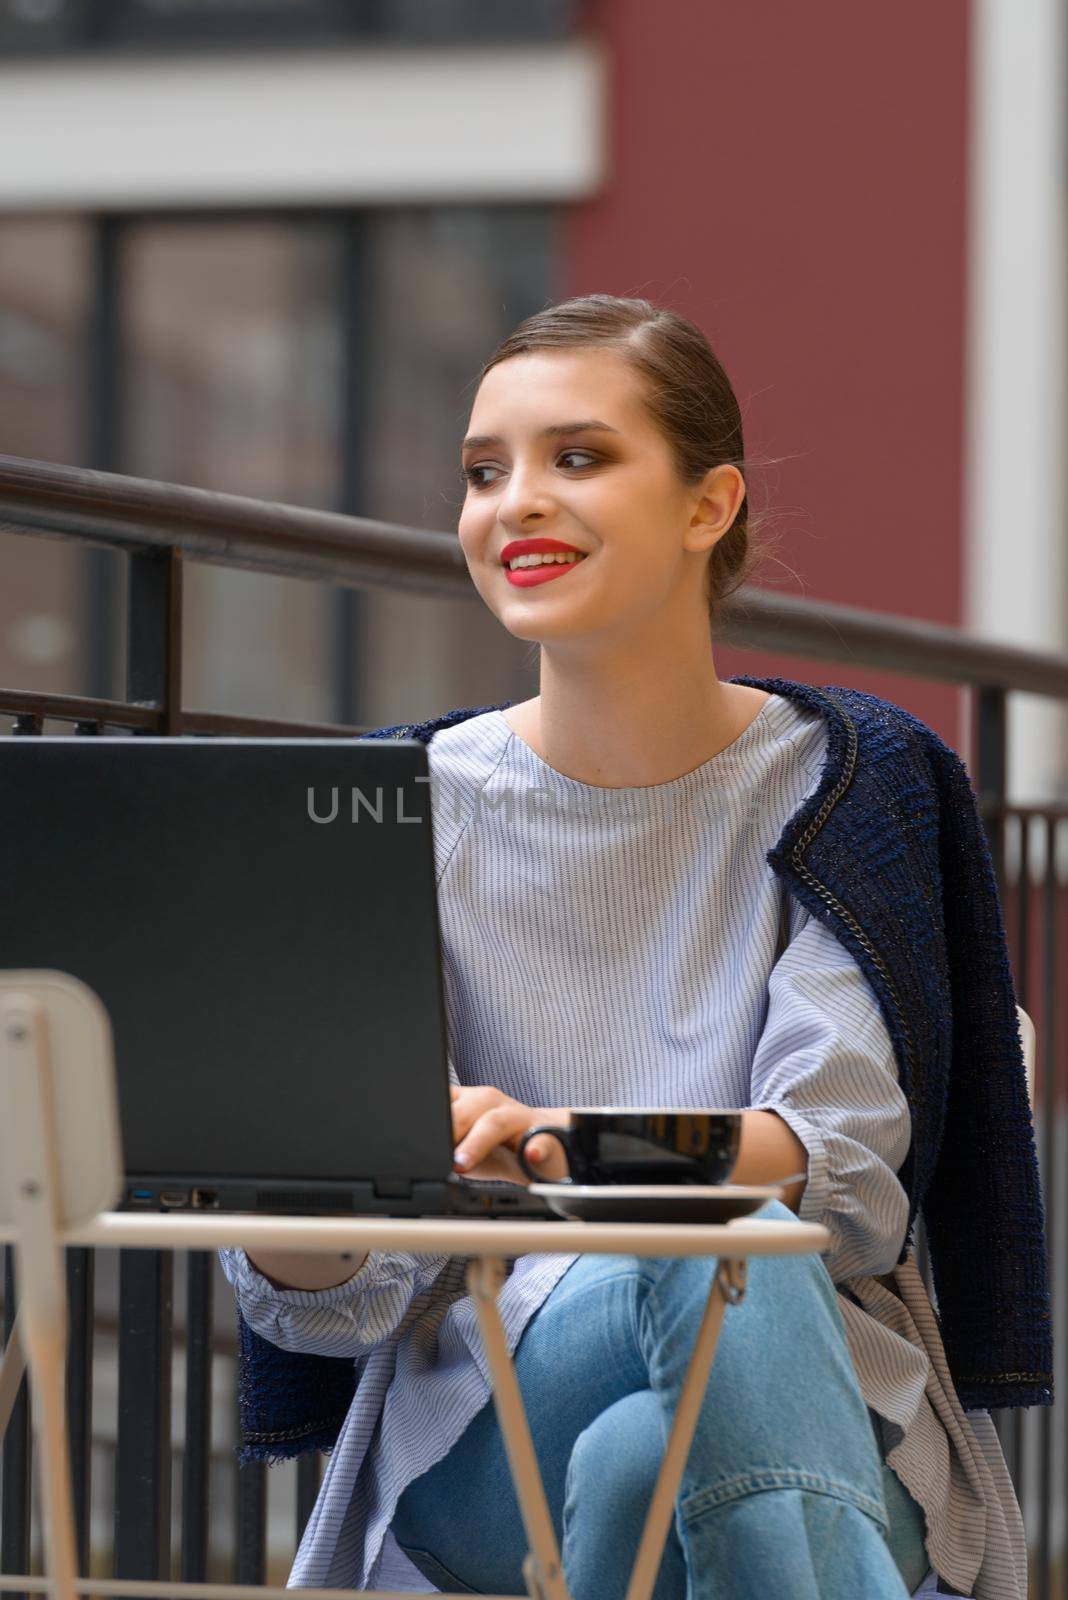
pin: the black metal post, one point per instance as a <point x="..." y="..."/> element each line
<point x="81" y="1272"/>
<point x="15" y="1502"/>
<point x="81" y="1277"/>
<point x="990" y="768"/>
<point x="146" y="1277"/>
<point x="1046" y="1085"/>
<point x="307" y="1488"/>
<point x="143" y="1454"/>
<point x="1017" y="1418"/>
<point x="154" y="634"/>
<point x="251" y="1523"/>
<point x="990" y="764"/>
<point x="103" y="568"/>
<point x="348" y="605"/>
<point x="196" y="1462"/>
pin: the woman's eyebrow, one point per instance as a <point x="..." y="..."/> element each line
<point x="476" y="441"/>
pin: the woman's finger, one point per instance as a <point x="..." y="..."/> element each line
<point x="549" y="1159"/>
<point x="499" y="1125"/>
<point x="469" y="1105"/>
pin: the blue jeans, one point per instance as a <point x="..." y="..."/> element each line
<point x="785" y="1492"/>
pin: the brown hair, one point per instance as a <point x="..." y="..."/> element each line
<point x="686" y="393"/>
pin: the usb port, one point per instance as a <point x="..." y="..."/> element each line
<point x="204" y="1198"/>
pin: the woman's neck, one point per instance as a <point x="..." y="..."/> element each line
<point x="613" y="740"/>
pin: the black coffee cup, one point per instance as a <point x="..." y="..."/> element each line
<point x="613" y="1145"/>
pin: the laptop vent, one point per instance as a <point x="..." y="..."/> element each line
<point x="304" y="1199"/>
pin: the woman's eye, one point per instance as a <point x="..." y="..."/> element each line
<point x="470" y="473"/>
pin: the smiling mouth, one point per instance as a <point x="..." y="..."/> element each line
<point x="545" y="558"/>
<point x="541" y="572"/>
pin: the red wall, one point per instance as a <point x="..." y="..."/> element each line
<point x="792" y="179"/>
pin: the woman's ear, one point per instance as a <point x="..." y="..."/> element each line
<point x="719" y="501"/>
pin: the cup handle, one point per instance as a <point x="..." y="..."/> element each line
<point x="555" y="1133"/>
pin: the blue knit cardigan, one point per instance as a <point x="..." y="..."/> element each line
<point x="889" y="852"/>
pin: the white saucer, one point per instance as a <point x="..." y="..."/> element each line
<point x="654" y="1202"/>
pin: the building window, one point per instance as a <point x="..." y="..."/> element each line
<point x="45" y="292"/>
<point x="317" y="359"/>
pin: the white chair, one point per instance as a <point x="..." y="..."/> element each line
<point x="60" y="1167"/>
<point x="1027" y="1039"/>
<point x="1027" y="1035"/>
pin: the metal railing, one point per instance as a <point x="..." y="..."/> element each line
<point x="159" y="527"/>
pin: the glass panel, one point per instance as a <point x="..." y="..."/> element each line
<point x="478" y="19"/>
<point x="230" y="380"/>
<point x="44" y="269"/>
<point x="446" y="285"/>
<point x="70" y="25"/>
<point x="48" y="25"/>
<point x="246" y="21"/>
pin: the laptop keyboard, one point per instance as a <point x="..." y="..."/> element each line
<point x="500" y="1195"/>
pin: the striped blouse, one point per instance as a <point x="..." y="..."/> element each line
<point x="702" y="983"/>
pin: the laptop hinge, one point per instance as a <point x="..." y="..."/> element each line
<point x="393" y="1188"/>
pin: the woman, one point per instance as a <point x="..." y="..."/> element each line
<point x="624" y="942"/>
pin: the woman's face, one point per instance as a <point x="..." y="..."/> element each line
<point x="610" y="492"/>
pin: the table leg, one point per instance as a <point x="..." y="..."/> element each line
<point x="542" y="1569"/>
<point x="48" y="1385"/>
<point x="12" y="1367"/>
<point x="728" y="1284"/>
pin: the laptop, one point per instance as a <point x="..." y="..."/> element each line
<point x="259" y="918"/>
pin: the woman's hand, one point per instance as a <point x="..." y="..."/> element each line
<point x="486" y="1129"/>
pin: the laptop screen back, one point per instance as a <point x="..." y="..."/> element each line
<point x="259" y="918"/>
